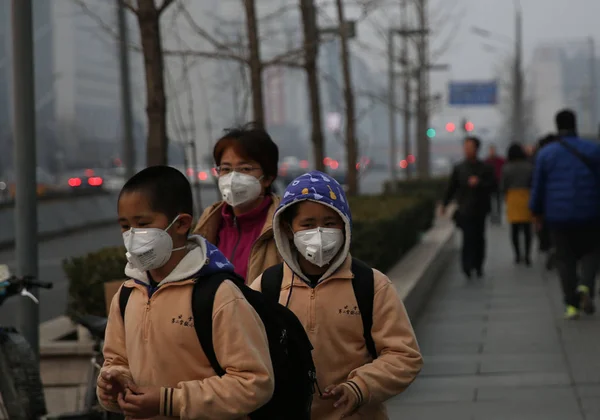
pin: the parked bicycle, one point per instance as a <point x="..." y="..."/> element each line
<point x="21" y="389"/>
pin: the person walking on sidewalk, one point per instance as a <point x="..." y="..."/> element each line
<point x="471" y="183"/>
<point x="543" y="232"/>
<point x="497" y="163"/>
<point x="516" y="186"/>
<point x="566" y="196"/>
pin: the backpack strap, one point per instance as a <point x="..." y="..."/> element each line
<point x="363" y="284"/>
<point x="271" y="282"/>
<point x="124" y="294"/>
<point x="203" y="297"/>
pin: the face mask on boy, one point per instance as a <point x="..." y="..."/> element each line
<point x="238" y="189"/>
<point x="319" y="246"/>
<point x="149" y="248"/>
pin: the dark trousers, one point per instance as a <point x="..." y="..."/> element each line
<point x="496" y="201"/>
<point x="518" y="229"/>
<point x="473" y="246"/>
<point x="577" y="245"/>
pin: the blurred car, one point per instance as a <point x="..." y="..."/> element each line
<point x="83" y="179"/>
<point x="204" y="175"/>
<point x="291" y="167"/>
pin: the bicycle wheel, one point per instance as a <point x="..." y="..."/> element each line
<point x="20" y="383"/>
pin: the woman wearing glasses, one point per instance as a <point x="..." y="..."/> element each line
<point x="241" y="224"/>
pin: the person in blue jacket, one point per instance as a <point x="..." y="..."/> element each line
<point x="566" y="197"/>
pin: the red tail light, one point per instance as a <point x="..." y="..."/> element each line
<point x="95" y="181"/>
<point x="74" y="182"/>
<point x="202" y="176"/>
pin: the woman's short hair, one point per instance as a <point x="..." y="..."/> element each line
<point x="252" y="142"/>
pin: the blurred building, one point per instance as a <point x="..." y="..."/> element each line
<point x="45" y="81"/>
<point x="88" y="98"/>
<point x="78" y="104"/>
<point x="566" y="74"/>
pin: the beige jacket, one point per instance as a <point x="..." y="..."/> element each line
<point x="158" y="346"/>
<point x="331" y="318"/>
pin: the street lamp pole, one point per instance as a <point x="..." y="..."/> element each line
<point x="518" y="82"/>
<point x="25" y="163"/>
<point x="392" y="110"/>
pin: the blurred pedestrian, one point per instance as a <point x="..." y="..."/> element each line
<point x="543" y="232"/>
<point x="497" y="163"/>
<point x="516" y="186"/>
<point x="530" y="151"/>
<point x="566" y="195"/>
<point x="241" y="224"/>
<point x="471" y="184"/>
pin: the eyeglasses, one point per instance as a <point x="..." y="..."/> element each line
<point x="244" y="169"/>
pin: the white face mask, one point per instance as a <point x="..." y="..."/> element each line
<point x="149" y="248"/>
<point x="319" y="246"/>
<point x="238" y="189"/>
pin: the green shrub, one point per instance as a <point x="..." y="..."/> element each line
<point x="433" y="187"/>
<point x="87" y="275"/>
<point x="386" y="227"/>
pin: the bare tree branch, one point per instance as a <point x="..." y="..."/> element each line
<point x="128" y="4"/>
<point x="200" y="31"/>
<point x="164" y="5"/>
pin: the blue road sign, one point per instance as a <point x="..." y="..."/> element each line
<point x="473" y="93"/>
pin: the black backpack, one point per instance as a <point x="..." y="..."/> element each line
<point x="289" y="346"/>
<point x="363" y="284"/>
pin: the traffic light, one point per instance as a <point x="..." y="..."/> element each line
<point x="469" y="126"/>
<point x="450" y="127"/>
<point x="431" y="133"/>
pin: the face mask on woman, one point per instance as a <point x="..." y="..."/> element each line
<point x="238" y="189"/>
<point x="149" y="248"/>
<point x="319" y="246"/>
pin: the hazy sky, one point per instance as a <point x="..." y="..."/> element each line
<point x="544" y="21"/>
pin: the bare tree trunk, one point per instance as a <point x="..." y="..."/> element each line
<point x="256" y="66"/>
<point x="351" y="146"/>
<point x="148" y="16"/>
<point x="423" y="149"/>
<point x="311" y="51"/>
<point x="407" y="87"/>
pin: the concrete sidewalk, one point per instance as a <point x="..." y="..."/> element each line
<point x="498" y="348"/>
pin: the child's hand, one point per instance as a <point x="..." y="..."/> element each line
<point x="140" y="402"/>
<point x="111" y="384"/>
<point x="346" y="398"/>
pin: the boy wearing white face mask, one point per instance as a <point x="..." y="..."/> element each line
<point x="334" y="297"/>
<point x="154" y="364"/>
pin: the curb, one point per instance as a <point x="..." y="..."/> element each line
<point x="418" y="272"/>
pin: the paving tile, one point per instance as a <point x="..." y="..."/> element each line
<point x="532" y="394"/>
<point x="525" y="410"/>
<point x="518" y="363"/>
<point x="591" y="408"/>
<point x="435" y="368"/>
<point x="445" y="411"/>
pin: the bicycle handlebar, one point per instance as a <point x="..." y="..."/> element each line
<point x="19" y="285"/>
